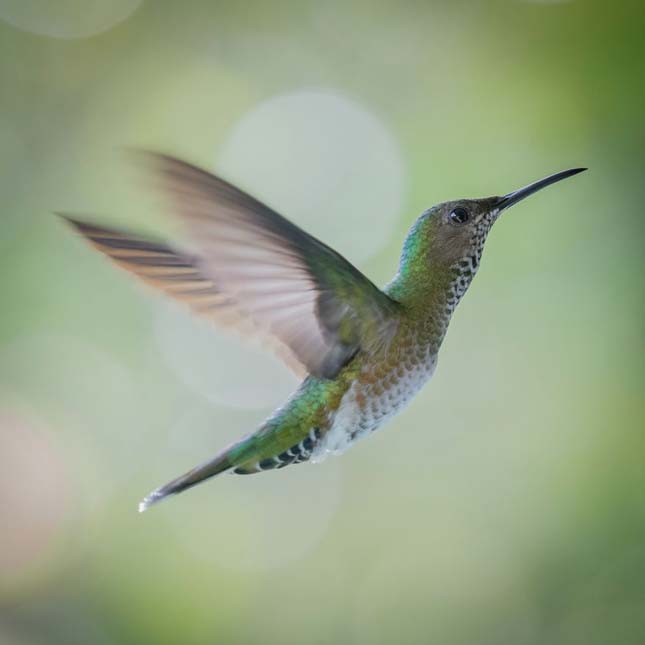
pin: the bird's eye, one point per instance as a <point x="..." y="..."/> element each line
<point x="459" y="216"/>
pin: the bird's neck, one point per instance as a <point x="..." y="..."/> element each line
<point x="430" y="294"/>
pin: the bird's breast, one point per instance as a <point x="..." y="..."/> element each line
<point x="381" y="389"/>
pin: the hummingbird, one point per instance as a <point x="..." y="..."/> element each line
<point x="363" y="352"/>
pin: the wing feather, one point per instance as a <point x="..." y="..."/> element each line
<point x="247" y="262"/>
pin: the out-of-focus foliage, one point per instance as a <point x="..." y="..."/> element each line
<point x="506" y="505"/>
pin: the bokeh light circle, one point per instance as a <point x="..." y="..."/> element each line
<point x="66" y="19"/>
<point x="323" y="161"/>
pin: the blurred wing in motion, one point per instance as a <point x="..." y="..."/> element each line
<point x="178" y="275"/>
<point x="251" y="264"/>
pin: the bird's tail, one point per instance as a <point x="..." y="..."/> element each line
<point x="215" y="466"/>
<point x="273" y="445"/>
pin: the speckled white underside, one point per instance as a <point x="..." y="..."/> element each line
<point x="352" y="421"/>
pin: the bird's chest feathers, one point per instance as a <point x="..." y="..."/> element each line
<point x="381" y="390"/>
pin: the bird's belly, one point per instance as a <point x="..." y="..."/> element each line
<point x="369" y="403"/>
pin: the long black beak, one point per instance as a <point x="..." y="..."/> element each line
<point x="517" y="196"/>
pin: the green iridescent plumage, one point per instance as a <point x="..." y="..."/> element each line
<point x="365" y="352"/>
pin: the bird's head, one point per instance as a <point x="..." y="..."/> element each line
<point x="449" y="237"/>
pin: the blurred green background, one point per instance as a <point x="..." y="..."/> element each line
<point x="506" y="505"/>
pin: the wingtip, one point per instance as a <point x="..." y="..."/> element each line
<point x="71" y="220"/>
<point x="149" y="159"/>
<point x="87" y="228"/>
<point x="137" y="155"/>
<point x="64" y="216"/>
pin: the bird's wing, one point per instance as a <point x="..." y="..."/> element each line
<point x="247" y="261"/>
<point x="178" y="275"/>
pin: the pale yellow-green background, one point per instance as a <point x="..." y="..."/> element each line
<point x="506" y="506"/>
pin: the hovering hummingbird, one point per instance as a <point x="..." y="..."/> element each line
<point x="363" y="352"/>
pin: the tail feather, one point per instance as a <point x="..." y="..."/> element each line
<point x="272" y="445"/>
<point x="213" y="467"/>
